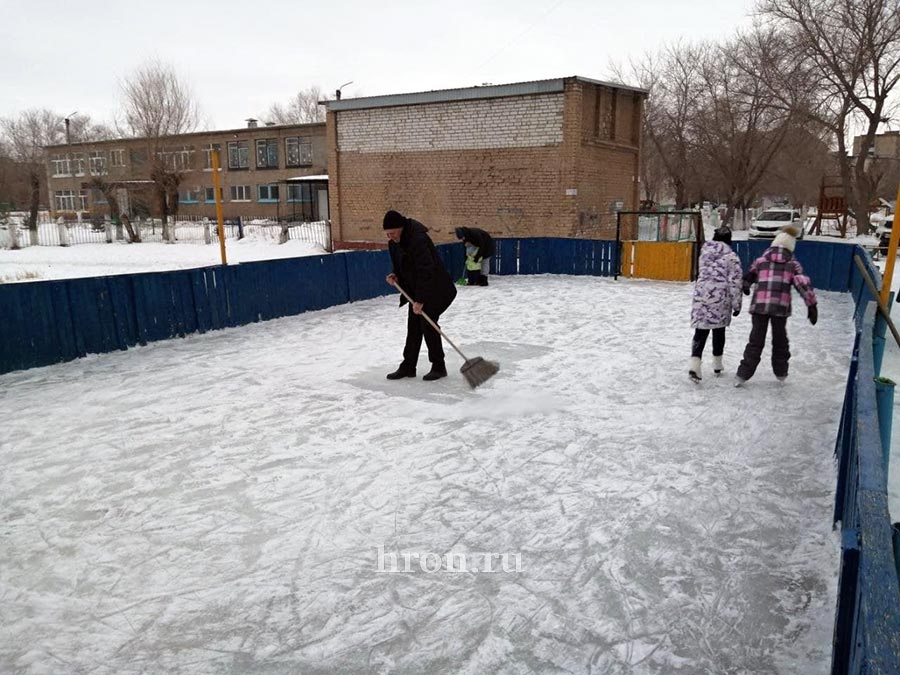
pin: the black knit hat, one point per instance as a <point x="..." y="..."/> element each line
<point x="460" y="233"/>
<point x="393" y="220"/>
<point x="722" y="234"/>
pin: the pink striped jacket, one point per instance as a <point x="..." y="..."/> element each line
<point x="775" y="272"/>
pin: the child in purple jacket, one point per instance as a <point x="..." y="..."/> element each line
<point x="717" y="297"/>
<point x="775" y="273"/>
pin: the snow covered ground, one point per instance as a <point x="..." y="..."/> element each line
<point x="88" y="260"/>
<point x="223" y="503"/>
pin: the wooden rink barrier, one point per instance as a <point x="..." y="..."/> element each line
<point x="661" y="260"/>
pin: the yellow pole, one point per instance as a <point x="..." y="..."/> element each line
<point x="891" y="257"/>
<point x="217" y="191"/>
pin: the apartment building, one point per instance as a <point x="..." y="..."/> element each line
<point x="545" y="158"/>
<point x="268" y="171"/>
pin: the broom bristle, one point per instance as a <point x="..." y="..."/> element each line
<point x="478" y="371"/>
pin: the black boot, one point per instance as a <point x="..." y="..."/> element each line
<point x="438" y="370"/>
<point x="482" y="281"/>
<point x="401" y="372"/>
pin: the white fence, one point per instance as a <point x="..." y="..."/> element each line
<point x="13" y="234"/>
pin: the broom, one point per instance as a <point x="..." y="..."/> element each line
<point x="476" y="371"/>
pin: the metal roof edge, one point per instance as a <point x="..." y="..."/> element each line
<point x="556" y="85"/>
<point x="443" y="95"/>
<point x="612" y="85"/>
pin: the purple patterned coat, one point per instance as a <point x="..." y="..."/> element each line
<point x="717" y="291"/>
<point x="775" y="273"/>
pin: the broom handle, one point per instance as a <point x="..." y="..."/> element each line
<point x="433" y="324"/>
<point x="874" y="291"/>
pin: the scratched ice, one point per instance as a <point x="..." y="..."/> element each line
<point x="218" y="504"/>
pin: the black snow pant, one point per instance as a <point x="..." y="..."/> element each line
<point x="781" y="352"/>
<point x="417" y="328"/>
<point x="699" y="341"/>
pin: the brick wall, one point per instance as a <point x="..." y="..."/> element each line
<point x="526" y="165"/>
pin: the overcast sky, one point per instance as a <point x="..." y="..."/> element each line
<point x="240" y="57"/>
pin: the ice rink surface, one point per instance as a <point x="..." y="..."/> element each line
<point x="249" y="500"/>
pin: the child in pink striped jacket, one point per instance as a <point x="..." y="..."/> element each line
<point x="775" y="273"/>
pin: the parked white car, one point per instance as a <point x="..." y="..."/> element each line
<point x="768" y="223"/>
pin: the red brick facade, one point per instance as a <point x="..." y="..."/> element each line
<point x="549" y="163"/>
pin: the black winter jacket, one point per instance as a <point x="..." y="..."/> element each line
<point x="420" y="270"/>
<point x="479" y="238"/>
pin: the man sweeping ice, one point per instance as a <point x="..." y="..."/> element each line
<point x="423" y="281"/>
<point x="418" y="270"/>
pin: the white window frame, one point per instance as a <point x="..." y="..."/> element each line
<point x="78" y="163"/>
<point x="65" y="200"/>
<point x="208" y="150"/>
<point x="62" y="165"/>
<point x="117" y="157"/>
<point x="97" y="162"/>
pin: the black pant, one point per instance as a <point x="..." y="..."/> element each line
<point x="417" y="328"/>
<point x="781" y="352"/>
<point x="699" y="342"/>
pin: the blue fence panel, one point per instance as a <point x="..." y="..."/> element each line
<point x="828" y="265"/>
<point x="533" y="256"/>
<point x="506" y="256"/>
<point x="321" y="281"/>
<point x="365" y="272"/>
<point x="867" y="621"/>
<point x="454" y="258"/>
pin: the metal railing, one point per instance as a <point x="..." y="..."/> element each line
<point x="192" y="229"/>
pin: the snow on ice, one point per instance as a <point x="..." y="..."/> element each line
<point x="217" y="504"/>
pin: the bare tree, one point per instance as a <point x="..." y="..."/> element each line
<point x="735" y="127"/>
<point x="158" y="104"/>
<point x="302" y="108"/>
<point x="674" y="84"/>
<point x="26" y="135"/>
<point x="854" y="47"/>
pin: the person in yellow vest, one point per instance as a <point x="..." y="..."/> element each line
<point x="473" y="267"/>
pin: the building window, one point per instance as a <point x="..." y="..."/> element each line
<point x="65" y="200"/>
<point x="78" y="163"/>
<point x="300" y="193"/>
<point x="189" y="196"/>
<point x="267" y="193"/>
<point x="177" y="159"/>
<point x="97" y="197"/>
<point x="117" y="157"/>
<point x="97" y="162"/>
<point x="267" y="153"/>
<point x="208" y="152"/>
<point x="240" y="193"/>
<point x="238" y="155"/>
<point x="60" y="165"/>
<point x="209" y="195"/>
<point x="297" y="152"/>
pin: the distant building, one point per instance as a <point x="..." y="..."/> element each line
<point x="886" y="145"/>
<point x="266" y="171"/>
<point x="544" y="158"/>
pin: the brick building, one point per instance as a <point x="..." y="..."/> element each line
<point x="544" y="158"/>
<point x="266" y="171"/>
